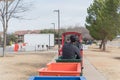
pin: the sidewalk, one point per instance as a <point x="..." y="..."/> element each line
<point x="91" y="73"/>
<point x="29" y="52"/>
<point x="42" y="51"/>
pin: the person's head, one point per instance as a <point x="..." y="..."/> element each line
<point x="72" y="38"/>
<point x="68" y="40"/>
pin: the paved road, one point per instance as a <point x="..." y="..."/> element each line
<point x="91" y="73"/>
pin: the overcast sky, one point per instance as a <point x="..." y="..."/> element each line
<point x="41" y="15"/>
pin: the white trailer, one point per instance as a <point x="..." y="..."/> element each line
<point x="38" y="41"/>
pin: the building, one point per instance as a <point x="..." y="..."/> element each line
<point x="20" y="34"/>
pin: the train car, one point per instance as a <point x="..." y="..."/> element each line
<point x="61" y="69"/>
<point x="57" y="78"/>
<point x="79" y="39"/>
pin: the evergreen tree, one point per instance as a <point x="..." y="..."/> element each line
<point x="103" y="20"/>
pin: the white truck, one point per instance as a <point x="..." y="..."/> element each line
<point x="38" y="41"/>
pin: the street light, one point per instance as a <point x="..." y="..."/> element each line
<point x="58" y="11"/>
<point x="53" y="27"/>
<point x="54" y="30"/>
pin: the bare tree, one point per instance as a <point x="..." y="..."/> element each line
<point x="10" y="9"/>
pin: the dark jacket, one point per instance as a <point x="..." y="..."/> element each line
<point x="79" y="45"/>
<point x="70" y="51"/>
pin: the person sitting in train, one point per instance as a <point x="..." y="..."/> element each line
<point x="67" y="41"/>
<point x="70" y="51"/>
<point x="78" y="44"/>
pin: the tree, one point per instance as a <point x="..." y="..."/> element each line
<point x="103" y="20"/>
<point x="9" y="9"/>
<point x="10" y="38"/>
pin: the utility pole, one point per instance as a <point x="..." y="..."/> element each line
<point x="53" y="27"/>
<point x="58" y="11"/>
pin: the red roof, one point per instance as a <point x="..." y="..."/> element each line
<point x="23" y="32"/>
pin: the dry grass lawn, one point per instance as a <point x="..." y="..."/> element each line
<point x="107" y="62"/>
<point x="22" y="66"/>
